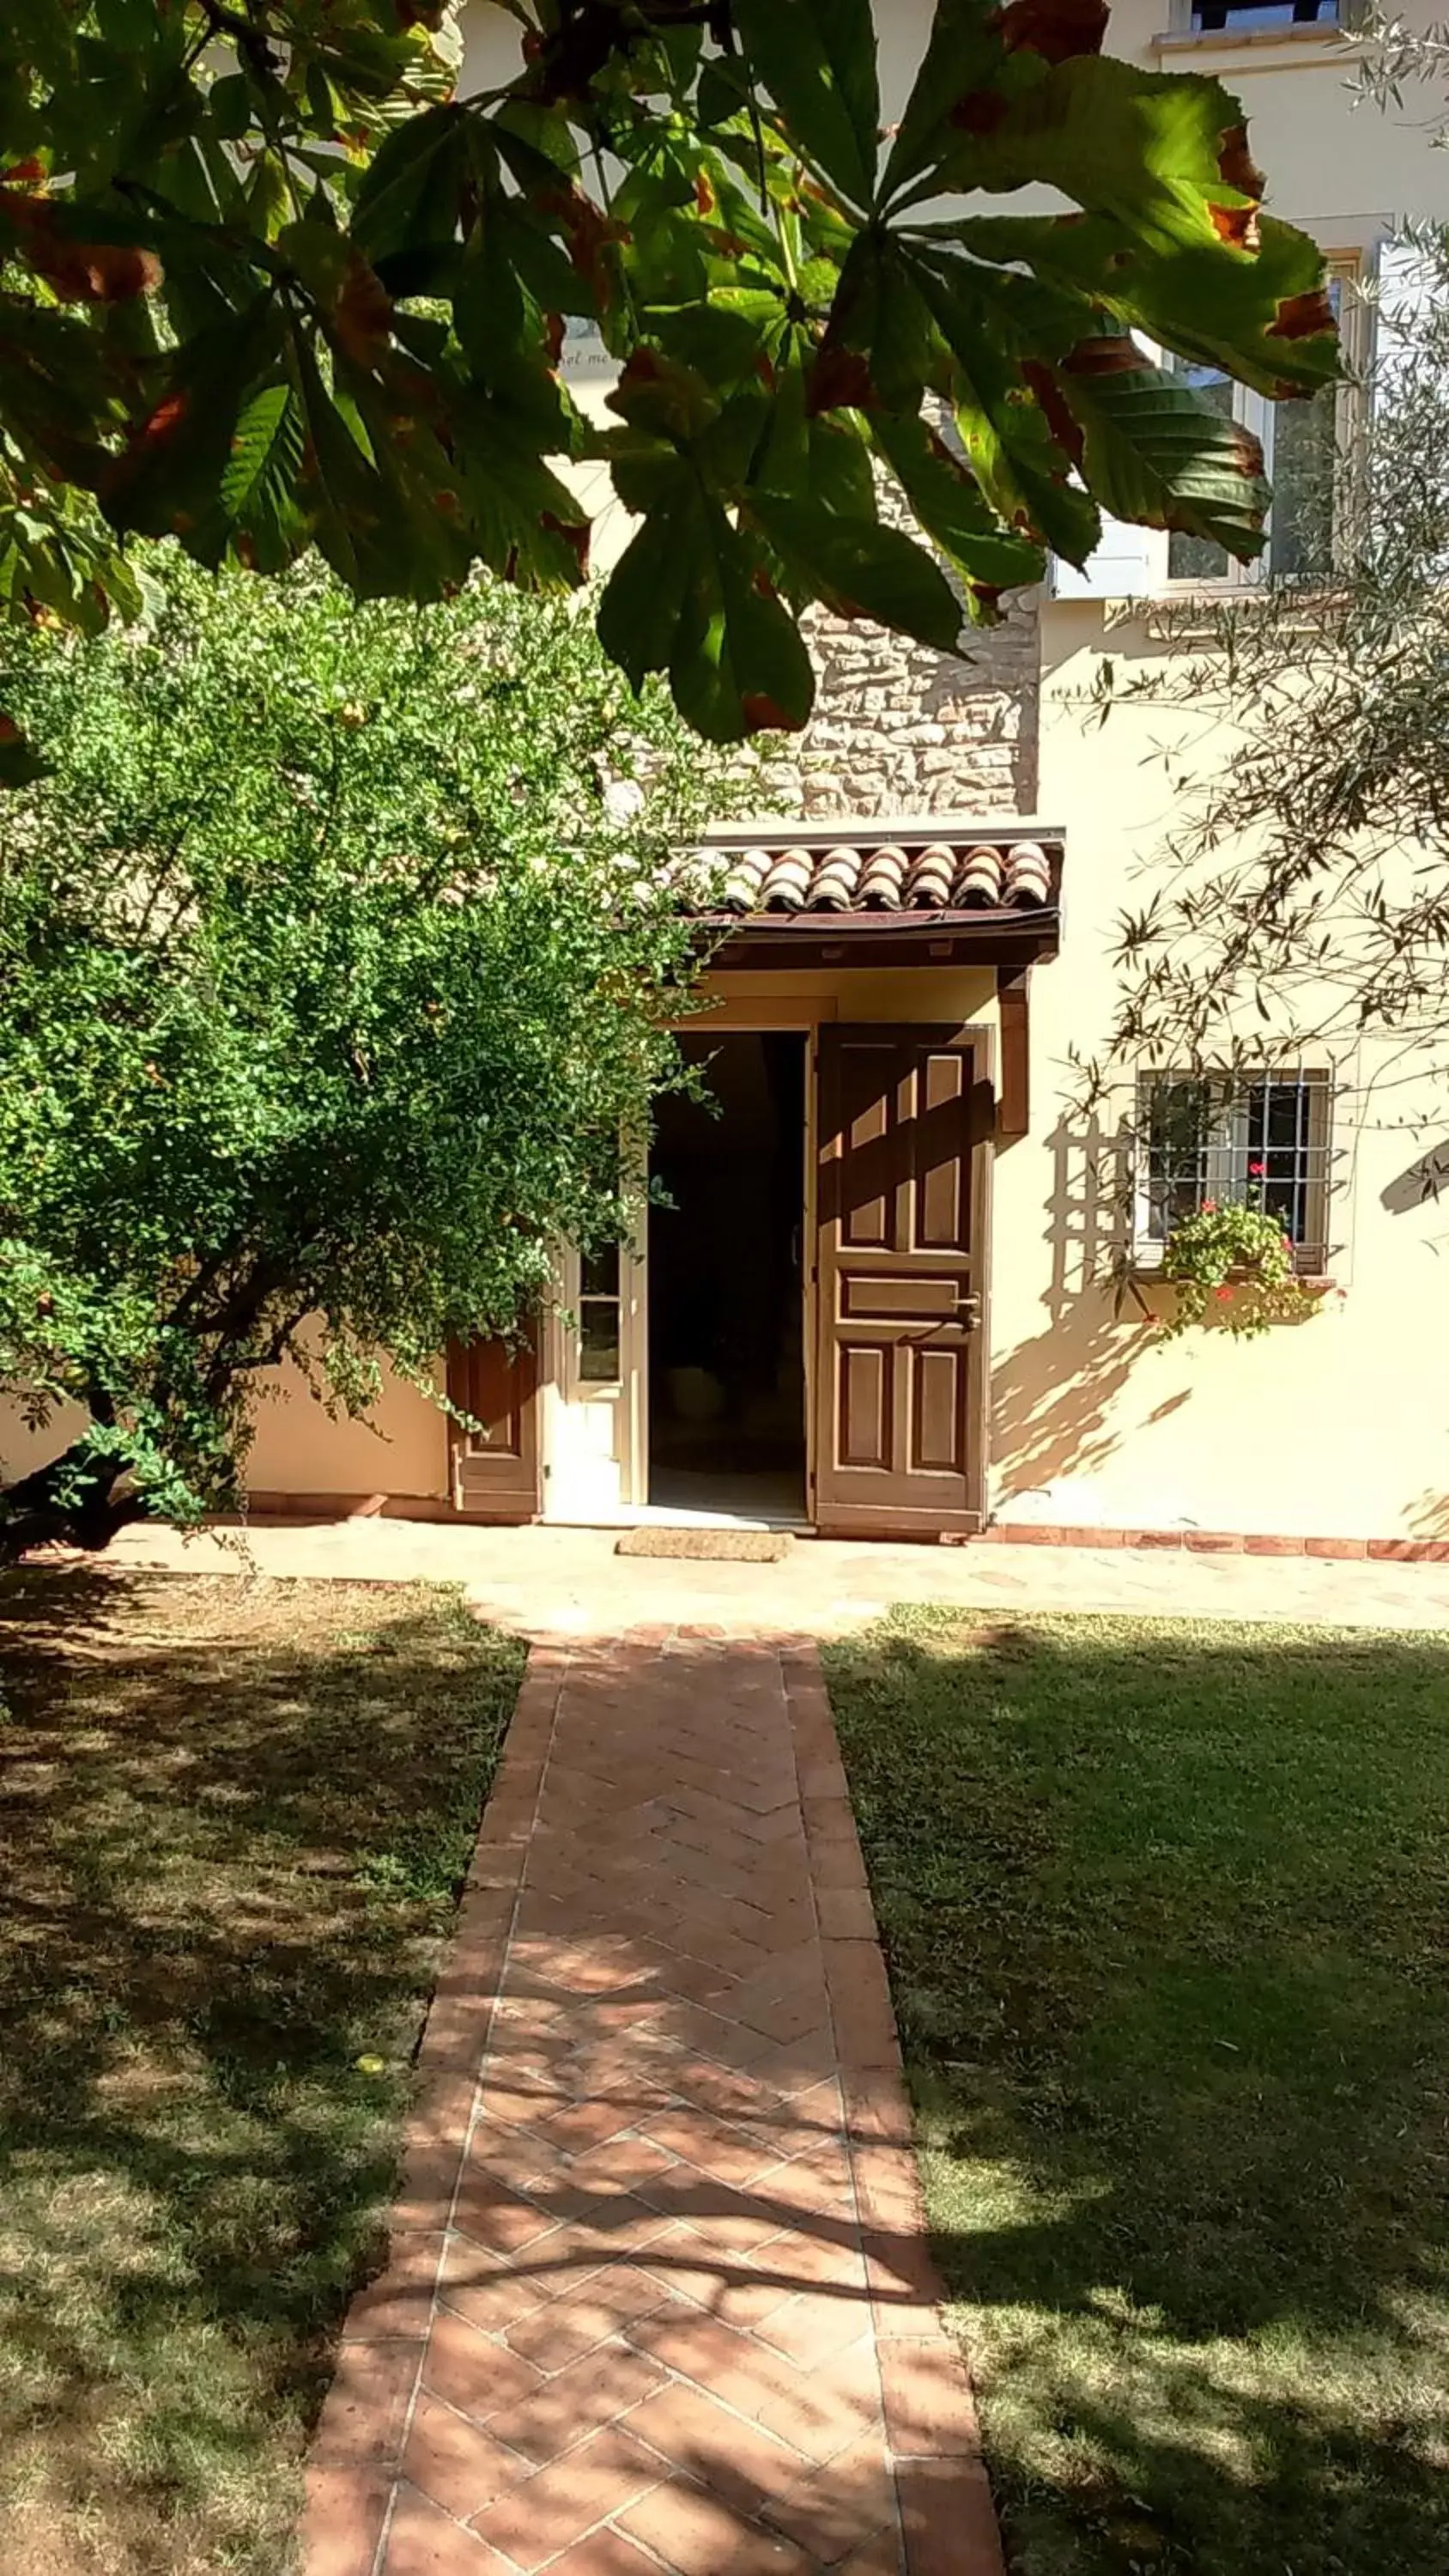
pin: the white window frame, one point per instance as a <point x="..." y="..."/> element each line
<point x="577" y="1299"/>
<point x="1131" y="563"/>
<point x="1255" y="413"/>
<point x="573" y="1297"/>
<point x="1184" y="23"/>
<point x="1226" y="1149"/>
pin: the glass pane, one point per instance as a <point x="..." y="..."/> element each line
<point x="1258" y="1143"/>
<point x="1209" y="15"/>
<point x="1179" y="1134"/>
<point x="599" y="1340"/>
<point x="1305" y="470"/>
<point x="1278" y="1171"/>
<point x="599" y="1272"/>
<point x="1305" y="464"/>
<point x="1197" y="558"/>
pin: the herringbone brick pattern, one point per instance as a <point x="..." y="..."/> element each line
<point x="660" y="2298"/>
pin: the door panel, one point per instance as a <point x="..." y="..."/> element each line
<point x="938" y="1413"/>
<point x="865" y="1406"/>
<point x="903" y="1124"/>
<point x="495" y="1473"/>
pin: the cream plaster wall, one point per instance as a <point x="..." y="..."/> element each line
<point x="1339" y="1426"/>
<point x="22" y="1448"/>
<point x="786" y="999"/>
<point x="401" y="1449"/>
<point x="1335" y="1427"/>
<point x="1340" y="170"/>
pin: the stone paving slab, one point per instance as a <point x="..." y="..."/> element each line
<point x="569" y="1582"/>
<point x="660" y="2296"/>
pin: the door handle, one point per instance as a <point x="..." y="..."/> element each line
<point x="968" y="1312"/>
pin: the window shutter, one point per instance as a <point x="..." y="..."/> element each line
<point x="1406" y="344"/>
<point x="1126" y="565"/>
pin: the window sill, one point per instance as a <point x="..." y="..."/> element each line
<point x="1310" y="601"/>
<point x="1144" y="1272"/>
<point x="1187" y="613"/>
<point x="1175" y="594"/>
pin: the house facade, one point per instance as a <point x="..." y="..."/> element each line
<point x="905" y="1284"/>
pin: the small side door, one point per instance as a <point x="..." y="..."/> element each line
<point x="495" y="1470"/>
<point x="904" y="1125"/>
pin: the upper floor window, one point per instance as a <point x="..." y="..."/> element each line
<point x="1256" y="1139"/>
<point x="1248" y="17"/>
<point x="1306" y="446"/>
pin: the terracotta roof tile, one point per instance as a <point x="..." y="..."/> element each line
<point x="864" y="876"/>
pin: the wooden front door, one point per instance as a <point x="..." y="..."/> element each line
<point x="903" y="1137"/>
<point x="495" y="1471"/>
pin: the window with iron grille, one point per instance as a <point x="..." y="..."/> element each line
<point x="1212" y="17"/>
<point x="1255" y="1139"/>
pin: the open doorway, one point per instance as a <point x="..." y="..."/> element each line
<point x="726" y="1310"/>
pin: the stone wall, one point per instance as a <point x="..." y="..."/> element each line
<point x="901" y="729"/>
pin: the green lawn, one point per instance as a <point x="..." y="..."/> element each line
<point x="1167" y="1914"/>
<point x="233" y="1818"/>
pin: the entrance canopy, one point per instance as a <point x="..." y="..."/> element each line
<point x="943" y="893"/>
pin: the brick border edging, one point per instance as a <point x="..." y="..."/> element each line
<point x="1404" y="1551"/>
<point x="356" y="2449"/>
<point x="948" y="2517"/>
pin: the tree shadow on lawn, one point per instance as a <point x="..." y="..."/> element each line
<point x="233" y="1818"/>
<point x="1167" y="1936"/>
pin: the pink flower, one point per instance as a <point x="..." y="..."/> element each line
<point x="1221" y="1293"/>
<point x="1209" y="1207"/>
<point x="1256" y="1171"/>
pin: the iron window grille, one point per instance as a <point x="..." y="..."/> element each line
<point x="1254" y="1139"/>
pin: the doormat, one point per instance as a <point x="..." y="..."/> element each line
<point x="754" y="1547"/>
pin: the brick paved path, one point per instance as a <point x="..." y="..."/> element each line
<point x="659" y="2295"/>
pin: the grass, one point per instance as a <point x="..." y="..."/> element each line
<point x="234" y="1815"/>
<point x="1166" y="1908"/>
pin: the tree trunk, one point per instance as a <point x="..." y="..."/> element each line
<point x="33" y="1513"/>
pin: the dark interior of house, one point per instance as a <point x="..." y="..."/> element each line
<point x="726" y="1356"/>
